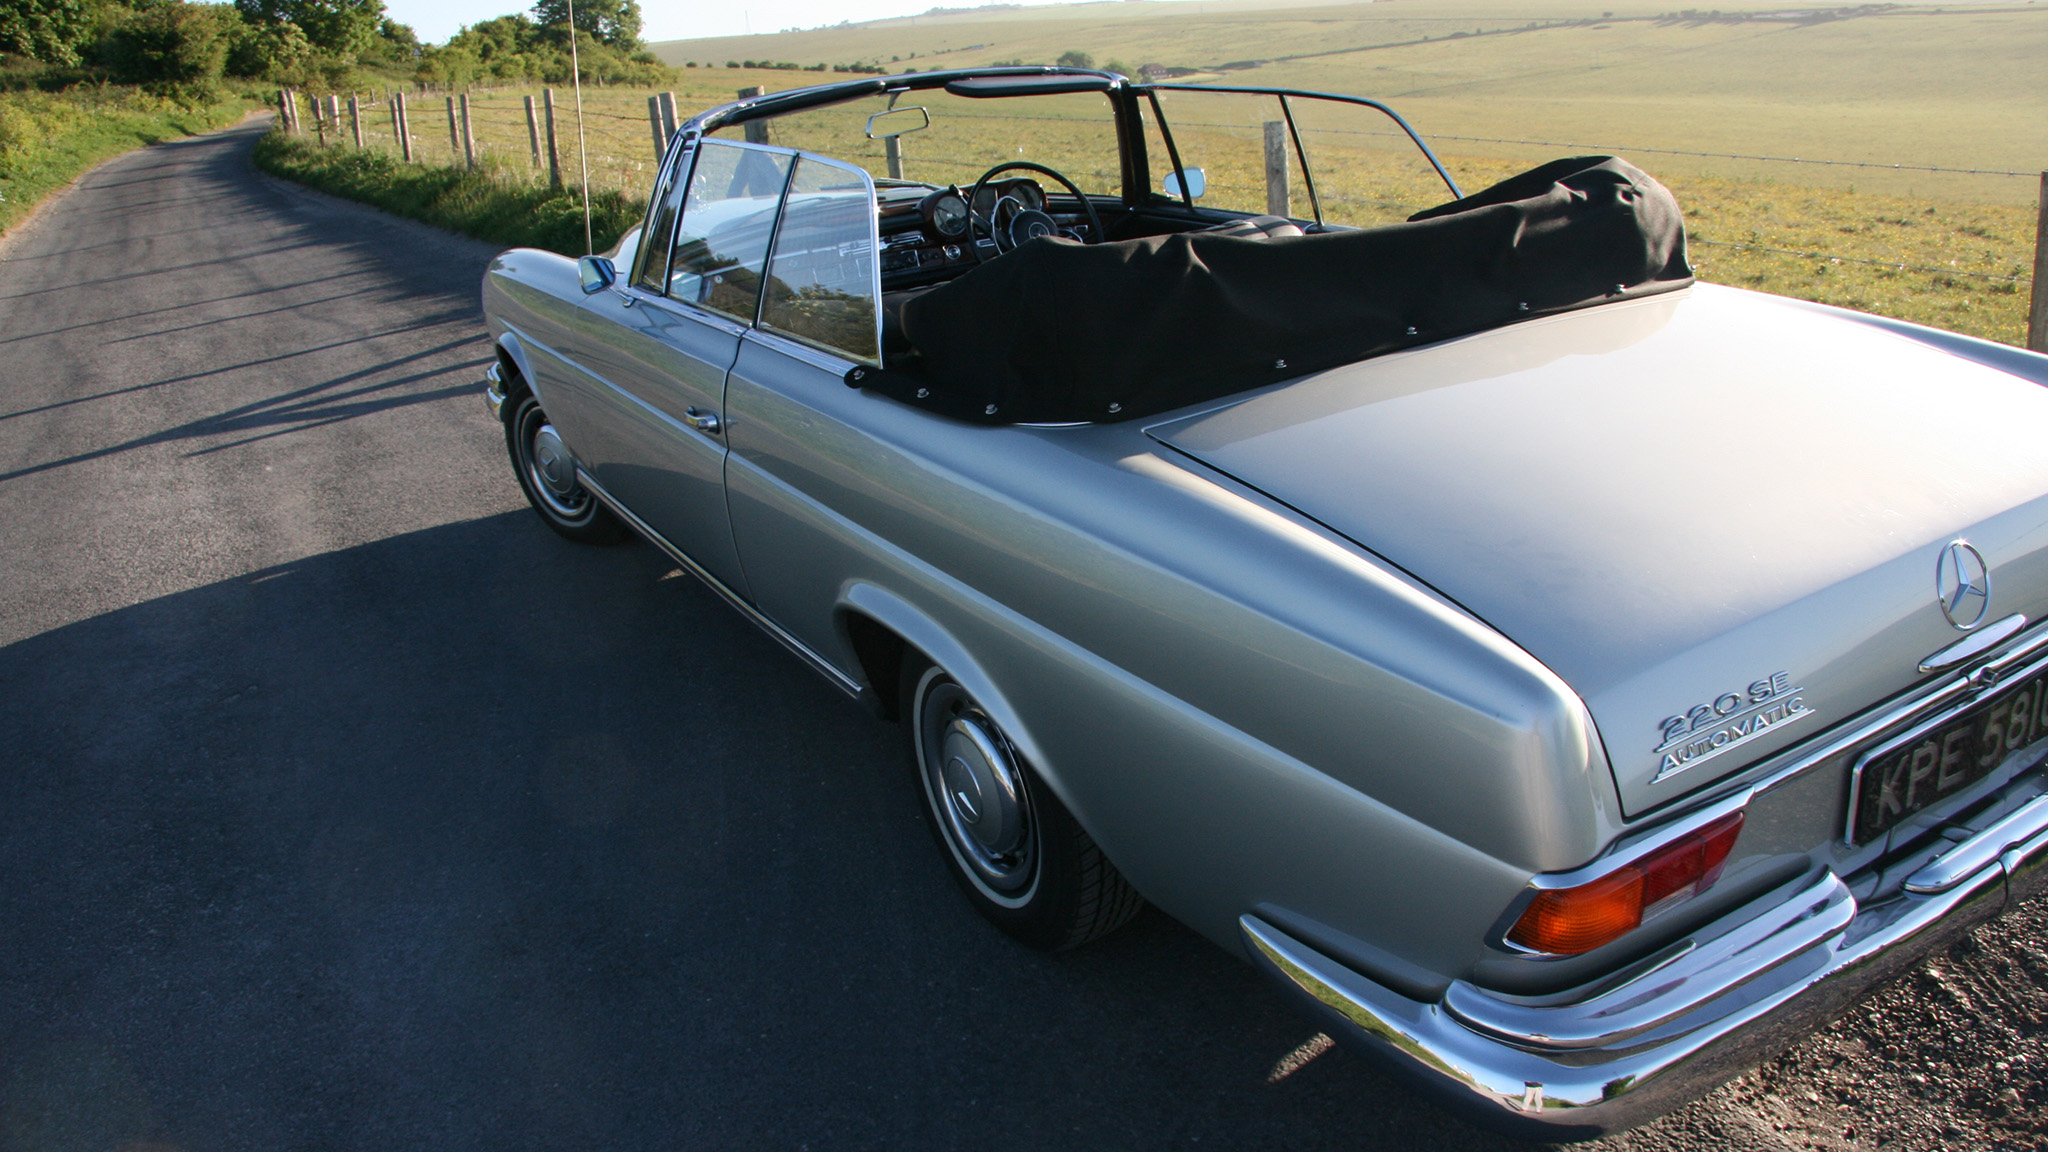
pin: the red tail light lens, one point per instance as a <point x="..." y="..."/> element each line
<point x="1568" y="921"/>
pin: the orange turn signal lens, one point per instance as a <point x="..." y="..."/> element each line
<point x="1568" y="921"/>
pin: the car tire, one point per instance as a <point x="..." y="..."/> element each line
<point x="1019" y="855"/>
<point x="547" y="475"/>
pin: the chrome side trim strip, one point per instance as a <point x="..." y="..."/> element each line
<point x="815" y="355"/>
<point x="1984" y="850"/>
<point x="819" y="664"/>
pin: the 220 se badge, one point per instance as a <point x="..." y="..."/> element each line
<point x="1727" y="723"/>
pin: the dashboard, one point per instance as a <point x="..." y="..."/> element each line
<point x="925" y="232"/>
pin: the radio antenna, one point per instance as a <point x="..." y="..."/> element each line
<point x="582" y="147"/>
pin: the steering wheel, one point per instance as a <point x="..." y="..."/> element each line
<point x="1024" y="223"/>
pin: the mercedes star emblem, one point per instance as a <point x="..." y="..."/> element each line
<point x="1962" y="582"/>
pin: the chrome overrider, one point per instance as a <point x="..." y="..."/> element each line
<point x="1630" y="1046"/>
<point x="494" y="392"/>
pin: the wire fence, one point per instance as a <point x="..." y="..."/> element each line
<point x="1971" y="267"/>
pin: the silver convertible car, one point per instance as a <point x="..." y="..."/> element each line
<point x="1570" y="682"/>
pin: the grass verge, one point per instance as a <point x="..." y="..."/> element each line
<point x="489" y="203"/>
<point x="49" y="139"/>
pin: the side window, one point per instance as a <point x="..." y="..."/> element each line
<point x="728" y="215"/>
<point x="1240" y="142"/>
<point x="661" y="229"/>
<point x="822" y="284"/>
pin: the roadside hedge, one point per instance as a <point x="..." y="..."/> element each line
<point x="488" y="203"/>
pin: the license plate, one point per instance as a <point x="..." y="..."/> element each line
<point x="1911" y="773"/>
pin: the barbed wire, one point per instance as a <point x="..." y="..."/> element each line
<point x="1737" y="156"/>
<point x="1858" y="260"/>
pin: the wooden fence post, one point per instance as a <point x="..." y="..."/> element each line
<point x="1276" y="168"/>
<point x="892" y="148"/>
<point x="454" y="134"/>
<point x="533" y="131"/>
<point x="404" y="127"/>
<point x="355" y="120"/>
<point x="757" y="130"/>
<point x="334" y="115"/>
<point x="668" y="118"/>
<point x="547" y="99"/>
<point x="654" y="126"/>
<point x="2037" y="316"/>
<point x="319" y="122"/>
<point x="468" y="136"/>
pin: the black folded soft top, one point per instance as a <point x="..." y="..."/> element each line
<point x="1059" y="331"/>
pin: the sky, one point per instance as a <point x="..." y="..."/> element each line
<point x="436" y="20"/>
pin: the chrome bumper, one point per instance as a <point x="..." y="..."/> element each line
<point x="494" y="392"/>
<point x="1624" y="1052"/>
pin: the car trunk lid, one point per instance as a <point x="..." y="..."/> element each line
<point x="1709" y="500"/>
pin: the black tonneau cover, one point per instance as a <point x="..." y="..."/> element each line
<point x="1058" y="331"/>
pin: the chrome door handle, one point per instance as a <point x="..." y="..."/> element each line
<point x="705" y="422"/>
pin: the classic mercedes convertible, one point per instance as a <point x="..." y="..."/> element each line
<point x="1569" y="681"/>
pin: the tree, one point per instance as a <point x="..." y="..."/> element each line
<point x="1076" y="60"/>
<point x="48" y="30"/>
<point x="271" y="51"/>
<point x="173" y="49"/>
<point x="343" y="27"/>
<point x="613" y="22"/>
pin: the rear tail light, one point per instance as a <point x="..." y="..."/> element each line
<point x="1568" y="921"/>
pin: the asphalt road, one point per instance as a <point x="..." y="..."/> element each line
<point x="344" y="806"/>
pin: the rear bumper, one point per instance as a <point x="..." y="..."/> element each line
<point x="1624" y="1052"/>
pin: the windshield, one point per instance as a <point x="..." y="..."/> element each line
<point x="1074" y="134"/>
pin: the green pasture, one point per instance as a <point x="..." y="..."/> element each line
<point x="1951" y="86"/>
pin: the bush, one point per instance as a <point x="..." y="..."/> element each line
<point x="176" y="49"/>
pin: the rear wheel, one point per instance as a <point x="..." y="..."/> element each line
<point x="547" y="474"/>
<point x="1014" y="848"/>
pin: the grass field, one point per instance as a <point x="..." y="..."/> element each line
<point x="1957" y="86"/>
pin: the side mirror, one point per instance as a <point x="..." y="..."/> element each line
<point x="898" y="122"/>
<point x="596" y="274"/>
<point x="1196" y="180"/>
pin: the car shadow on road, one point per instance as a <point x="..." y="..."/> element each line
<point x="473" y="838"/>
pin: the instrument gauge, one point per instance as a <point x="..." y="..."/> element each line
<point x="949" y="214"/>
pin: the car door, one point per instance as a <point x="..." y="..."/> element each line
<point x="820" y="317"/>
<point x="670" y="334"/>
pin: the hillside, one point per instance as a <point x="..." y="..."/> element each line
<point x="1951" y="86"/>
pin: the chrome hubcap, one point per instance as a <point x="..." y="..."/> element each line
<point x="551" y="468"/>
<point x="552" y="459"/>
<point x="977" y="791"/>
<point x="981" y="788"/>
